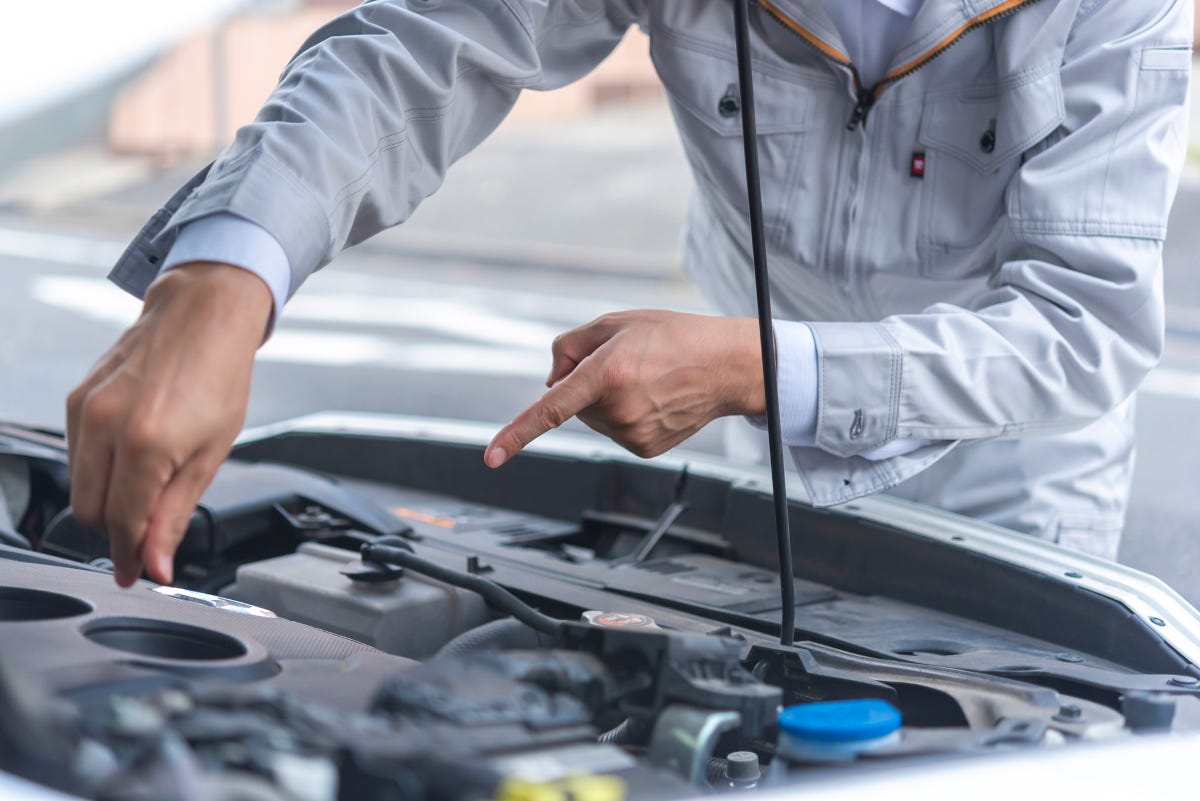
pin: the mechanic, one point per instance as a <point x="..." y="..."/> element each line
<point x="966" y="202"/>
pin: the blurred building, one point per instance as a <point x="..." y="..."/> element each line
<point x="197" y="94"/>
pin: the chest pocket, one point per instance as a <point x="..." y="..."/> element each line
<point x="702" y="83"/>
<point x="973" y="141"/>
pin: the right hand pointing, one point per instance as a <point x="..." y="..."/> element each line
<point x="158" y="413"/>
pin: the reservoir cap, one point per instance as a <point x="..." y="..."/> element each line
<point x="840" y="721"/>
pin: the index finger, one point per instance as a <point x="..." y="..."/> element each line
<point x="564" y="400"/>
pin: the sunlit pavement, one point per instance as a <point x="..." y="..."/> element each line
<point x="564" y="224"/>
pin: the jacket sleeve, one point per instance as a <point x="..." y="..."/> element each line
<point x="372" y="111"/>
<point x="1072" y="319"/>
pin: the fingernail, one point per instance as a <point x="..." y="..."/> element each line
<point x="163" y="568"/>
<point x="496" y="457"/>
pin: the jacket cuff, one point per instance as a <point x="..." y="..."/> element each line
<point x="249" y="188"/>
<point x="859" y="372"/>
<point x="831" y="480"/>
<point x="138" y="265"/>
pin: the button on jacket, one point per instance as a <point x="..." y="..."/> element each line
<point x="976" y="240"/>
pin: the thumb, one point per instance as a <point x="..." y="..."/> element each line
<point x="572" y="347"/>
<point x="171" y="516"/>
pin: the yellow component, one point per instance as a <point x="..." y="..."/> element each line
<point x="574" y="788"/>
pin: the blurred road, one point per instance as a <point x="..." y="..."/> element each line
<point x="566" y="223"/>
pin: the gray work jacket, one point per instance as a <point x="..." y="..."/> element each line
<point x="976" y="240"/>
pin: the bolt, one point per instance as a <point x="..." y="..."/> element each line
<point x="1068" y="657"/>
<point x="1158" y="621"/>
<point x="1069" y="713"/>
<point x="1184" y="681"/>
<point x="313" y="518"/>
<point x="1073" y="574"/>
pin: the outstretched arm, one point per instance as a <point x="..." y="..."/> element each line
<point x="365" y="122"/>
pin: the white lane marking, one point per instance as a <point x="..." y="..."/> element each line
<point x="572" y="309"/>
<point x="523" y="346"/>
<point x="336" y="349"/>
<point x="93" y="298"/>
<point x="103" y="254"/>
<point x="99" y="300"/>
<point x="343" y="295"/>
<point x="60" y="248"/>
<point x="443" y="316"/>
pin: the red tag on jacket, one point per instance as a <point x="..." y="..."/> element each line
<point x="918" y="165"/>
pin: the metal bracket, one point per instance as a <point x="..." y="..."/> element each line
<point x="684" y="739"/>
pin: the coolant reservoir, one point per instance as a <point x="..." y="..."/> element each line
<point x="834" y="731"/>
<point x="412" y="616"/>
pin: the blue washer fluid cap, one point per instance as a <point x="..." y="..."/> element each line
<point x="840" y="721"/>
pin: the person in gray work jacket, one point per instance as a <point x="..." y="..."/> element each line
<point x="965" y="237"/>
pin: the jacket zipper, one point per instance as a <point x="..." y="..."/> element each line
<point x="866" y="97"/>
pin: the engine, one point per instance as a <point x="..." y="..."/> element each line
<point x="370" y="616"/>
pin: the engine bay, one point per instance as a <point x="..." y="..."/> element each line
<point x="363" y="611"/>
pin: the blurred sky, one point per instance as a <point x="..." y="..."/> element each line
<point x="49" y="50"/>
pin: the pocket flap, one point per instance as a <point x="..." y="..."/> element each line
<point x="704" y="82"/>
<point x="985" y="129"/>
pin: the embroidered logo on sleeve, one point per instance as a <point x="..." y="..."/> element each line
<point x="857" y="426"/>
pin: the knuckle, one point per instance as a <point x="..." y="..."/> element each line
<point x="97" y="410"/>
<point x="75" y="400"/>
<point x="143" y="436"/>
<point x="610" y="319"/>
<point x="551" y="415"/>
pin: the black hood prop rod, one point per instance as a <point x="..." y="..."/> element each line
<point x="787" y="589"/>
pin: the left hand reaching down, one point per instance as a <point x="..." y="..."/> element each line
<point x="646" y="379"/>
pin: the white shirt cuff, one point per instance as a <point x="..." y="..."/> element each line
<point x="229" y="239"/>
<point x="797" y="373"/>
<point x="796" y="370"/>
